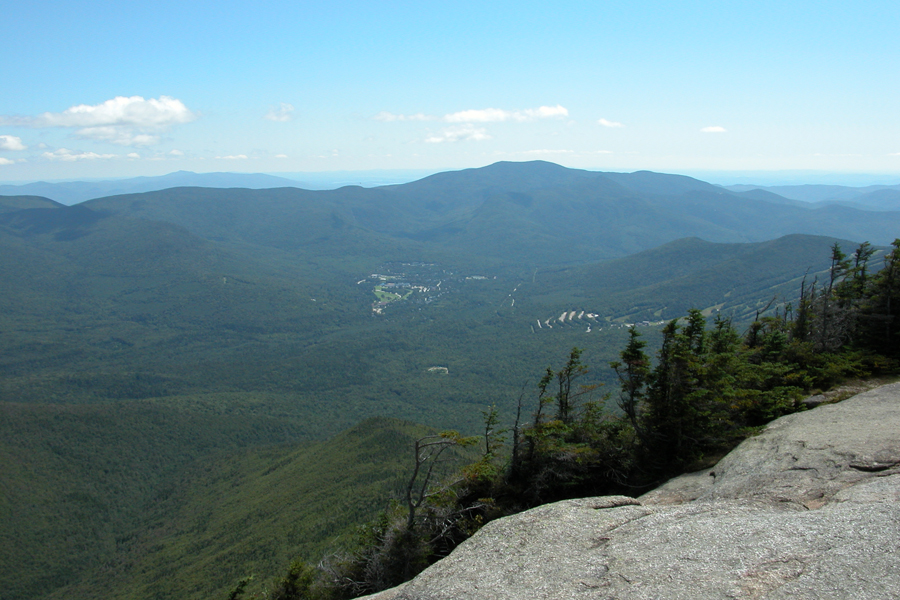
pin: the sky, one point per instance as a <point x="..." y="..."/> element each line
<point x="123" y="89"/>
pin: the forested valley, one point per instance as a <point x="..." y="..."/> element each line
<point x="707" y="388"/>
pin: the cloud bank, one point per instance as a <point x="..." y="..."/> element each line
<point x="714" y="129"/>
<point x="66" y="155"/>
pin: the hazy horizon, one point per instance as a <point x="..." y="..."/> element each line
<point x="297" y="88"/>
<point x="376" y="177"/>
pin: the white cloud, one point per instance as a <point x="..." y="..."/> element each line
<point x="11" y="142"/>
<point x="714" y="129"/>
<point x="125" y="121"/>
<point x="176" y="153"/>
<point x="121" y="111"/>
<point x="485" y="115"/>
<point x="466" y="130"/>
<point x="547" y="112"/>
<point x="233" y="157"/>
<point x="388" y="117"/>
<point x="282" y="113"/>
<point x="894" y="154"/>
<point x="547" y="151"/>
<point x="133" y="155"/>
<point x="122" y="136"/>
<point x="606" y="123"/>
<point x="6" y="161"/>
<point x="67" y="155"/>
<point x="281" y="156"/>
<point x="493" y="115"/>
<point x="459" y="134"/>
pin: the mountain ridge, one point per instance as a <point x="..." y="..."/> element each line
<point x="872" y="197"/>
<point x="572" y="207"/>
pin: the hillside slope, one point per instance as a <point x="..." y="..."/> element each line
<point x="77" y="480"/>
<point x="733" y="279"/>
<point x="251" y="511"/>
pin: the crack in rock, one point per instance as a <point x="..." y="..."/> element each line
<point x="873" y="466"/>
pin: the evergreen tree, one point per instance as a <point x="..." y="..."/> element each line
<point x="831" y="326"/>
<point x="633" y="371"/>
<point x="676" y="397"/>
<point x="881" y="306"/>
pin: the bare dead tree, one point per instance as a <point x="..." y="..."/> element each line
<point x="428" y="456"/>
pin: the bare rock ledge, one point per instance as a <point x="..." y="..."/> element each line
<point x="808" y="509"/>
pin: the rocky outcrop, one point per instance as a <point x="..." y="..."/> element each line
<point x="808" y="509"/>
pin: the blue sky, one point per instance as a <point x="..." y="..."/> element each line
<point x="114" y="89"/>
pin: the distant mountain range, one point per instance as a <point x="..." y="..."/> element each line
<point x="534" y="213"/>
<point x="73" y="192"/>
<point x="873" y="197"/>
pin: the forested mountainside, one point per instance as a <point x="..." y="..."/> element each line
<point x="147" y="335"/>
<point x="708" y="389"/>
<point x="533" y="213"/>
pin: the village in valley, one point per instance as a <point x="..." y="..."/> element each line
<point x="421" y="283"/>
<point x="415" y="282"/>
